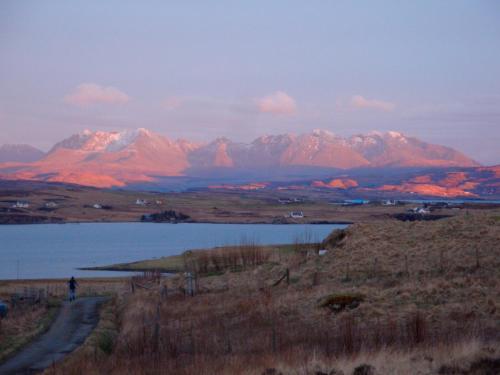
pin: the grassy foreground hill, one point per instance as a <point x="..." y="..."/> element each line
<point x="388" y="297"/>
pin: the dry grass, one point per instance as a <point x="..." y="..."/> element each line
<point x="210" y="261"/>
<point x="426" y="297"/>
<point x="24" y="323"/>
<point x="59" y="288"/>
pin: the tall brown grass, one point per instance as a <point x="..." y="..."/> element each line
<point x="240" y="257"/>
<point x="215" y="335"/>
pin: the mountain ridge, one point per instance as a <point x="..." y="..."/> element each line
<point x="19" y="153"/>
<point x="107" y="159"/>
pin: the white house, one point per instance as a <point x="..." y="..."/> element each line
<point x="389" y="202"/>
<point x="141" y="202"/>
<point x="51" y="204"/>
<point x="21" y="204"/>
<point x="296" y="214"/>
<point x="421" y="210"/>
<point x="97" y="206"/>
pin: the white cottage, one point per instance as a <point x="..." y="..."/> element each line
<point x="296" y="214"/>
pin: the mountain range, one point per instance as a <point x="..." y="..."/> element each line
<point x="119" y="159"/>
<point x="20" y="153"/>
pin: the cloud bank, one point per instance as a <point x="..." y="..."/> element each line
<point x="279" y="103"/>
<point x="93" y="93"/>
<point x="358" y="101"/>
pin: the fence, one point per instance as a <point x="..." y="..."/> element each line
<point x="254" y="335"/>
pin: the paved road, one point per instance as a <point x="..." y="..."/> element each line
<point x="73" y="324"/>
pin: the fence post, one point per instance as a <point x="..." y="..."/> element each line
<point x="273" y="338"/>
<point x="189" y="284"/>
<point x="164" y="292"/>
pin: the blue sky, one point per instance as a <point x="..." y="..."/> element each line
<point x="200" y="69"/>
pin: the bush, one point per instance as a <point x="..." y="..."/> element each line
<point x="105" y="342"/>
<point x="339" y="302"/>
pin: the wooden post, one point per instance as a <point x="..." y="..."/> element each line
<point x="189" y="284"/>
<point x="273" y="338"/>
<point x="156" y="335"/>
<point x="196" y="282"/>
<point x="287" y="273"/>
<point x="164" y="292"/>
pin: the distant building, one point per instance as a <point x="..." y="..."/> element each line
<point x="296" y="214"/>
<point x="21" y="204"/>
<point x="50" y="204"/>
<point x="97" y="206"/>
<point x="284" y="201"/>
<point x="141" y="202"/>
<point x="389" y="202"/>
<point x="420" y="210"/>
<point x="158" y="202"/>
<point x="355" y="202"/>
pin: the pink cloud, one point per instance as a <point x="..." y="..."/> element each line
<point x="358" y="101"/>
<point x="91" y="93"/>
<point x="277" y="103"/>
<point x="172" y="103"/>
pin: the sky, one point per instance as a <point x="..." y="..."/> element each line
<point x="241" y="69"/>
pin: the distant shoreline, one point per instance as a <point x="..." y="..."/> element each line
<point x="321" y="222"/>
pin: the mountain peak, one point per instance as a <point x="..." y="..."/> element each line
<point x="394" y="134"/>
<point x="323" y="133"/>
<point x="86" y="132"/>
<point x="101" y="141"/>
<point x="21" y="153"/>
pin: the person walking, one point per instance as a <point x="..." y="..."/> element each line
<point x="72" y="288"/>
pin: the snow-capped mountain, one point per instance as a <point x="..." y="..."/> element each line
<point x="99" y="141"/>
<point x="118" y="158"/>
<point x="19" y="153"/>
<point x="395" y="149"/>
<point x="322" y="148"/>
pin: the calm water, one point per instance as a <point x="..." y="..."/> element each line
<point x="56" y="250"/>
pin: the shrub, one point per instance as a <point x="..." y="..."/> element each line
<point x="105" y="342"/>
<point x="339" y="302"/>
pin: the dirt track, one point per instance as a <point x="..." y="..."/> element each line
<point x="73" y="324"/>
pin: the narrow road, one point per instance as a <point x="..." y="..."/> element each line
<point x="70" y="329"/>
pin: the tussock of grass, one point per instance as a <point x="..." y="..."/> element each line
<point x="23" y="324"/>
<point x="339" y="302"/>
